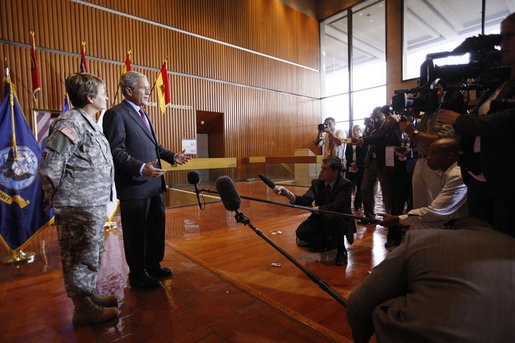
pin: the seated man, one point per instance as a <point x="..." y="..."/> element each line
<point x="449" y="203"/>
<point x="330" y="192"/>
<point x="440" y="286"/>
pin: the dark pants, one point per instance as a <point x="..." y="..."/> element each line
<point x="357" y="180"/>
<point x="143" y="224"/>
<point x="485" y="203"/>
<point x="401" y="196"/>
<point x="402" y="193"/>
<point x="322" y="232"/>
<point x="375" y="170"/>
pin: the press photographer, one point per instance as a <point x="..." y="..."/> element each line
<point x="488" y="162"/>
<point x="387" y="135"/>
<point x="425" y="182"/>
<point x="331" y="139"/>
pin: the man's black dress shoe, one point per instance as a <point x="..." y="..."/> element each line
<point x="392" y="243"/>
<point x="341" y="257"/>
<point x="160" y="272"/>
<point x="142" y="280"/>
<point x="368" y="221"/>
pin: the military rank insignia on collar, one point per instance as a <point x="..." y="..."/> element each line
<point x="69" y="133"/>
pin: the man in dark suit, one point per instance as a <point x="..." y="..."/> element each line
<point x="139" y="181"/>
<point x="330" y="192"/>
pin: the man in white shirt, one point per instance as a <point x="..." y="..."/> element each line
<point x="450" y="202"/>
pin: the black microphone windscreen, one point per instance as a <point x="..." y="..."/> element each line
<point x="193" y="177"/>
<point x="266" y="180"/>
<point x="227" y="191"/>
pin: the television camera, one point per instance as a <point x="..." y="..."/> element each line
<point x="454" y="87"/>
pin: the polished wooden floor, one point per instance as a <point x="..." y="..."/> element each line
<point x="224" y="289"/>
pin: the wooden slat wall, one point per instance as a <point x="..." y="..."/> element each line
<point x="270" y="107"/>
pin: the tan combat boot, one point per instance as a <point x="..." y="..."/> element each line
<point x="87" y="312"/>
<point x="104" y="300"/>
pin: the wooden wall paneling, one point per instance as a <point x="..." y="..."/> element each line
<point x="248" y="113"/>
<point x="4" y="5"/>
<point x="18" y="25"/>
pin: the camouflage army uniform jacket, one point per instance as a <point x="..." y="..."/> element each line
<point x="77" y="167"/>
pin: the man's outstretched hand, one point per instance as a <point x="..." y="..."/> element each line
<point x="151" y="171"/>
<point x="388" y="220"/>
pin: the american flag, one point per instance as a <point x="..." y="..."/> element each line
<point x="43" y="119"/>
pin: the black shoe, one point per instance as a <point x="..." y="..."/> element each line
<point x="302" y="243"/>
<point x="341" y="257"/>
<point x="160" y="272"/>
<point x="392" y="243"/>
<point x="142" y="280"/>
<point x="350" y="234"/>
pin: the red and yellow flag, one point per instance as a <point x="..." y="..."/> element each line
<point x="36" y="83"/>
<point x="83" y="65"/>
<point x="163" y="89"/>
<point x="127" y="65"/>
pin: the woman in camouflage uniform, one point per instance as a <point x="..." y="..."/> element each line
<point x="77" y="172"/>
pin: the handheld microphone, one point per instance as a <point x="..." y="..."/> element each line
<point x="194" y="179"/>
<point x="271" y="184"/>
<point x="228" y="193"/>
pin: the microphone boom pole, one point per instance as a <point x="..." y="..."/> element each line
<point x="240" y="218"/>
<point x="298" y="207"/>
<point x="232" y="201"/>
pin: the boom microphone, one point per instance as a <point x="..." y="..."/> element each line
<point x="232" y="201"/>
<point x="271" y="184"/>
<point x="228" y="193"/>
<point x="194" y="179"/>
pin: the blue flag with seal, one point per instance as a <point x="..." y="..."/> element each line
<point x="22" y="206"/>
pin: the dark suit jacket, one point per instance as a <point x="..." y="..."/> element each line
<point x="361" y="153"/>
<point x="497" y="128"/>
<point x="387" y="135"/>
<point x="338" y="200"/>
<point x="132" y="144"/>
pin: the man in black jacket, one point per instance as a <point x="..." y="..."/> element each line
<point x="330" y="192"/>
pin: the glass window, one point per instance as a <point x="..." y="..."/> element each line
<point x="368" y="63"/>
<point x="442" y="25"/>
<point x="364" y="102"/>
<point x="334" y="50"/>
<point x="336" y="107"/>
<point x="368" y="45"/>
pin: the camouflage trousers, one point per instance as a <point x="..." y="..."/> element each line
<point x="81" y="238"/>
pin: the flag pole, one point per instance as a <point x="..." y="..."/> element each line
<point x="124" y="65"/>
<point x="153" y="86"/>
<point x="36" y="100"/>
<point x="116" y="94"/>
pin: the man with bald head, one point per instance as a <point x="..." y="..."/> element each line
<point x="450" y="203"/>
